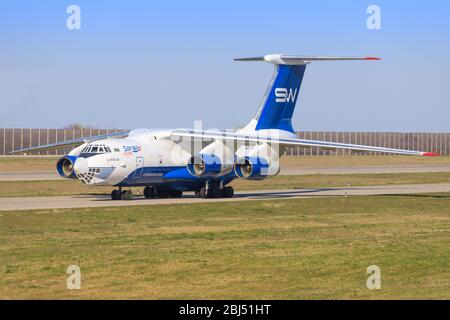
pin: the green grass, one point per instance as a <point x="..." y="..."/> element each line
<point x="28" y="163"/>
<point x="74" y="187"/>
<point x="33" y="188"/>
<point x="293" y="249"/>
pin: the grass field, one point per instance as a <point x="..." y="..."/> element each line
<point x="74" y="187"/>
<point x="8" y="164"/>
<point x="49" y="163"/>
<point x="293" y="249"/>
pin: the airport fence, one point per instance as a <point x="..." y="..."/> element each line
<point x="14" y="139"/>
<point x="19" y="138"/>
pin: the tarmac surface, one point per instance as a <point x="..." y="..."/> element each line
<point x="29" y="175"/>
<point x="27" y="203"/>
<point x="52" y="175"/>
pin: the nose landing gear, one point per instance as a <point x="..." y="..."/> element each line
<point x="121" y="194"/>
<point x="116" y="195"/>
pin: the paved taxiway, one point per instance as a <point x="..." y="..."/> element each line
<point x="29" y="175"/>
<point x="25" y="203"/>
<point x="52" y="175"/>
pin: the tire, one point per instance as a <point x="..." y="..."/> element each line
<point x="116" y="195"/>
<point x="202" y="193"/>
<point x="214" y="192"/>
<point x="227" y="192"/>
<point x="162" y="193"/>
<point x="127" y="195"/>
<point x="176" y="194"/>
<point x="149" y="192"/>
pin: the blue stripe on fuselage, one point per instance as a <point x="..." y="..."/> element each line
<point x="175" y="177"/>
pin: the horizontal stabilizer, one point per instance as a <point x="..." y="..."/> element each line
<point x="299" y="60"/>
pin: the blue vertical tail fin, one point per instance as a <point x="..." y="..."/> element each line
<point x="278" y="104"/>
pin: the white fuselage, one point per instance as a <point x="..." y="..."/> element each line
<point x="144" y="148"/>
<point x="150" y="156"/>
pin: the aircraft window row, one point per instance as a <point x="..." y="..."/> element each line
<point x="94" y="148"/>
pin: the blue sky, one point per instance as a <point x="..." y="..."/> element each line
<point x="166" y="64"/>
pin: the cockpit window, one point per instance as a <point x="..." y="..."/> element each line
<point x="96" y="148"/>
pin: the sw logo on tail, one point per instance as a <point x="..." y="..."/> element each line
<point x="282" y="95"/>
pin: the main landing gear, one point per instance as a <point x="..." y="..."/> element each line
<point x="151" y="192"/>
<point x="215" y="191"/>
<point x="160" y="192"/>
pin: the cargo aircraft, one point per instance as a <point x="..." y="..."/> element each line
<point x="167" y="162"/>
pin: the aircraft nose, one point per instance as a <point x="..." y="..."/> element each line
<point x="81" y="166"/>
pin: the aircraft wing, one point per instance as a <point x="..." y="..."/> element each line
<point x="239" y="137"/>
<point x="71" y="143"/>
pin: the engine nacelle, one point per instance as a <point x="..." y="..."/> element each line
<point x="207" y="165"/>
<point x="64" y="166"/>
<point x="254" y="168"/>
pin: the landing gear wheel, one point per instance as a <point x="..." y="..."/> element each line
<point x="227" y="192"/>
<point x="127" y="195"/>
<point x="176" y="194"/>
<point x="213" y="192"/>
<point x="162" y="193"/>
<point x="149" y="192"/>
<point x="202" y="193"/>
<point x="116" y="195"/>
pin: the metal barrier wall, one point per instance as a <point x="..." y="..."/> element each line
<point x="14" y="139"/>
<point x="430" y="142"/>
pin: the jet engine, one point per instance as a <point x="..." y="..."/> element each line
<point x="214" y="160"/>
<point x="205" y="165"/>
<point x="257" y="163"/>
<point x="254" y="168"/>
<point x="65" y="165"/>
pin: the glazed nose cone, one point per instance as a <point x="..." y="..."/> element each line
<point x="81" y="166"/>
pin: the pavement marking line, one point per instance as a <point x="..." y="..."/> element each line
<point x="86" y="201"/>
